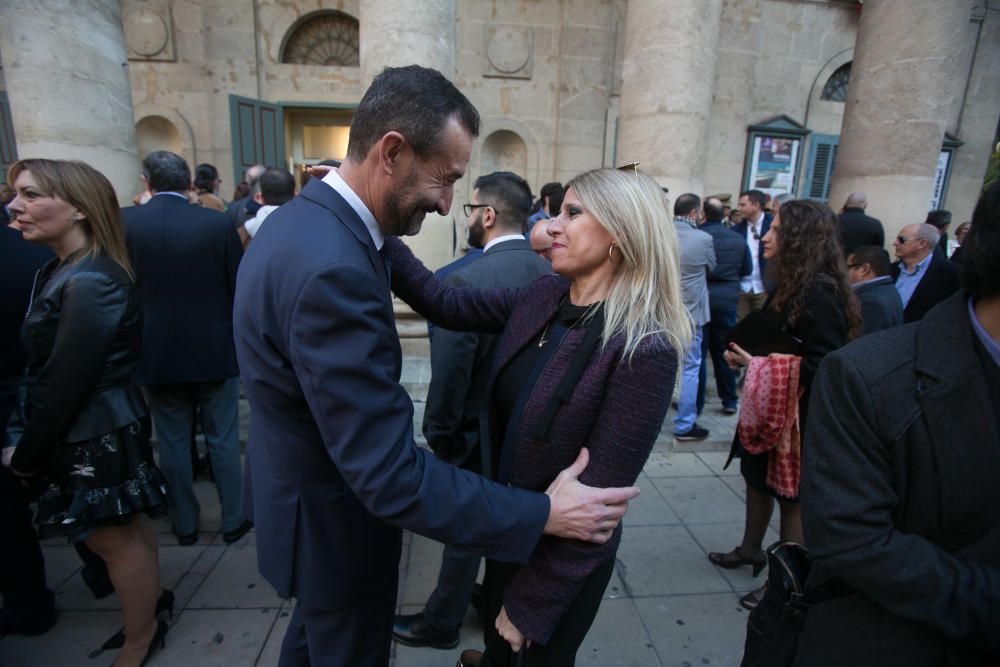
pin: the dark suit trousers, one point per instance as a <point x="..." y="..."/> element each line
<point x="448" y="603"/>
<point x="357" y="636"/>
<point x="560" y="651"/>
<point x="22" y="570"/>
<point x="714" y="343"/>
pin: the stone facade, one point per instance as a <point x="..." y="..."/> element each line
<point x="562" y="85"/>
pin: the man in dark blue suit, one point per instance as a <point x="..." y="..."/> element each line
<point x="332" y="469"/>
<point x="756" y="222"/>
<point x="185" y="259"/>
<point x="732" y="262"/>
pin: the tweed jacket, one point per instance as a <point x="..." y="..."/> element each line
<point x="697" y="261"/>
<point x="899" y="497"/>
<point x="615" y="411"/>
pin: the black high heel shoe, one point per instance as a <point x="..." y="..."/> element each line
<point x="164" y="606"/>
<point x="735" y="559"/>
<point x="158" y="641"/>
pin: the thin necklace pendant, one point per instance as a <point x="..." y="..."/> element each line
<point x="542" y="340"/>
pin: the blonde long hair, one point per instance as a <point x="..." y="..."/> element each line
<point x="645" y="297"/>
<point x="89" y="191"/>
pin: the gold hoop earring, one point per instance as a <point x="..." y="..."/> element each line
<point x="611" y="258"/>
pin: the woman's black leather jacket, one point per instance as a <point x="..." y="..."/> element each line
<point x="82" y="336"/>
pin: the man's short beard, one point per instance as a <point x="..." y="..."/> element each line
<point x="408" y="223"/>
<point x="476" y="234"/>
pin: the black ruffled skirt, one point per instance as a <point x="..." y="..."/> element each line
<point x="101" y="482"/>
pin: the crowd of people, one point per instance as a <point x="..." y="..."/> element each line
<point x="555" y="346"/>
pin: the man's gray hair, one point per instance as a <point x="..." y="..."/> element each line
<point x="778" y="200"/>
<point x="856" y="200"/>
<point x="929" y="233"/>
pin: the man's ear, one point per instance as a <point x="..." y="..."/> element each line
<point x="390" y="148"/>
<point x="489" y="217"/>
<point x="259" y="198"/>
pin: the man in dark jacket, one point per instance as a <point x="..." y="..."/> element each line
<point x="940" y="220"/>
<point x="460" y="365"/>
<point x="923" y="278"/>
<point x="732" y="262"/>
<point x="899" y="487"/>
<point x="856" y="227"/>
<point x="754" y="227"/>
<point x="869" y="270"/>
<point x="28" y="604"/>
<point x="185" y="259"/>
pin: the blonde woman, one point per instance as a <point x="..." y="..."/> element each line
<point x="586" y="359"/>
<point x="87" y="429"/>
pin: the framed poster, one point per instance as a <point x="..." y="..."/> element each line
<point x="774" y="162"/>
<point x="773" y="156"/>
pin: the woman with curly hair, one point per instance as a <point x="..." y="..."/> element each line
<point x="812" y="300"/>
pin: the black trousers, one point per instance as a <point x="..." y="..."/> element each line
<point x="358" y="636"/>
<point x="560" y="651"/>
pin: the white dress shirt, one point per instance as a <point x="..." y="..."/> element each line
<point x="753" y="283"/>
<point x="501" y="239"/>
<point x="334" y="180"/>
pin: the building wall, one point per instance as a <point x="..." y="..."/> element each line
<point x="546" y="77"/>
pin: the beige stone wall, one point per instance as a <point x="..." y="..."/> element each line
<point x="976" y="122"/>
<point x="67" y="89"/>
<point x="546" y="76"/>
<point x="774" y="57"/>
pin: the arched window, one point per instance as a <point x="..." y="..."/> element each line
<point x="835" y="89"/>
<point x="323" y="38"/>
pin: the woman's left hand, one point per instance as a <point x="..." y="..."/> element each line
<point x="736" y="356"/>
<point x="511" y="634"/>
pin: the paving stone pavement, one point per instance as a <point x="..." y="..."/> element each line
<point x="666" y="604"/>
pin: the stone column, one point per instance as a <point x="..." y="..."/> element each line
<point x="904" y="78"/>
<point x="667" y="80"/>
<point x="407" y="32"/>
<point x="413" y="32"/>
<point x="65" y="68"/>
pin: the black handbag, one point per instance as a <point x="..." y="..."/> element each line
<point x="473" y="658"/>
<point x="775" y="623"/>
<point x="760" y="335"/>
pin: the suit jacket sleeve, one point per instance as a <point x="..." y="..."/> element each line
<point x="453" y="355"/>
<point x="342" y="353"/>
<point x="458" y="309"/>
<point x="91" y="309"/>
<point x="747" y="268"/>
<point x="848" y="502"/>
<point x="631" y="414"/>
<point x="710" y="259"/>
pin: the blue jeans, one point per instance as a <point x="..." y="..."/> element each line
<point x="173" y="408"/>
<point x="687" y="402"/>
<point x="714" y="343"/>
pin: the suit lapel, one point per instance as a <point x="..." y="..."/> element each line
<point x="324" y="195"/>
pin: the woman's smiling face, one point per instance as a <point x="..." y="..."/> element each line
<point x="580" y="244"/>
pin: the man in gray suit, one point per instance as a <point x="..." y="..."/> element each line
<point x="697" y="260"/>
<point x="460" y="366"/>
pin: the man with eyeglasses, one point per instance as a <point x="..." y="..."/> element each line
<point x="460" y="365"/>
<point x="754" y="226"/>
<point x="869" y="270"/>
<point x="923" y="279"/>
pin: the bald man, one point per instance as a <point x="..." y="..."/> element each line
<point x="858" y="228"/>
